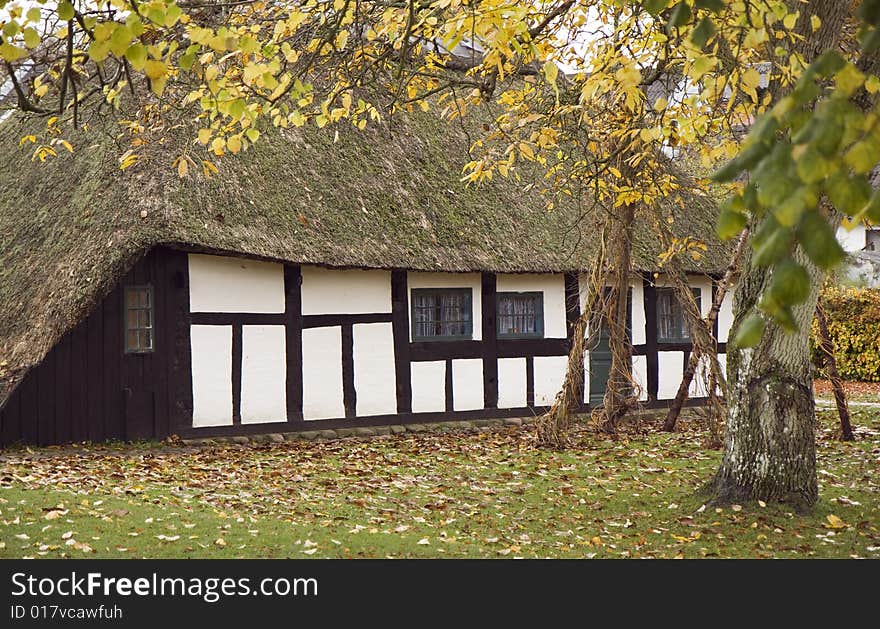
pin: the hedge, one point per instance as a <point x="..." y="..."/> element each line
<point x="854" y="323"/>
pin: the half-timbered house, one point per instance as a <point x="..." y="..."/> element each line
<point x="314" y="282"/>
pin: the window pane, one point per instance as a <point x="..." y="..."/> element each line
<point x="131" y="298"/>
<point x="520" y="314"/>
<point x="441" y="313"/>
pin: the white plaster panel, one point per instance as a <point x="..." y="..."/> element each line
<point x="322" y="373"/>
<point x="698" y="386"/>
<point x="549" y="376"/>
<point x="467" y="384"/>
<point x="263" y="374"/>
<point x="226" y="284"/>
<point x="553" y="288"/>
<point x="428" y="386"/>
<point x="511" y="382"/>
<point x="670" y="366"/>
<point x="211" y="351"/>
<point x="853" y="239"/>
<point x="375" y="382"/>
<point x="336" y="291"/>
<point x="638" y="314"/>
<point x="586" y="377"/>
<point x="640" y="375"/>
<point x="450" y="280"/>
<point x="725" y="316"/>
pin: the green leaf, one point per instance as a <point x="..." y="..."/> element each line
<point x="704" y="31"/>
<point x="790" y="283"/>
<point x="137" y="56"/>
<point x="771" y="243"/>
<point x="863" y="155"/>
<point x="750" y="331"/>
<point x="681" y="15"/>
<point x="872" y="209"/>
<point x="65" y="11"/>
<point x="730" y="222"/>
<point x="819" y="242"/>
<point x="711" y="5"/>
<point x="34" y="15"/>
<point x="654" y="7"/>
<point x="789" y="212"/>
<point x="745" y="160"/>
<point x="848" y="194"/>
<point x="828" y="64"/>
<point x="812" y="167"/>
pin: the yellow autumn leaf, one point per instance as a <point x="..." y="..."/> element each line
<point x="234" y="143"/>
<point x="835" y="522"/>
<point x="155" y="69"/>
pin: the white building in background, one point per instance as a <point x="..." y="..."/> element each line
<point x="862" y="243"/>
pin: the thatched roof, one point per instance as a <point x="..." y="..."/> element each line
<point x="387" y="197"/>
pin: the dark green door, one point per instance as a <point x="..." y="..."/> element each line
<point x="600" y="357"/>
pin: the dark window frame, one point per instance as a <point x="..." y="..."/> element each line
<point x="468" y="294"/>
<point x="149" y="329"/>
<point x="677" y="312"/>
<point x="538" y="296"/>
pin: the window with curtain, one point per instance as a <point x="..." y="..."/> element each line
<point x="671" y="324"/>
<point x="139" y="319"/>
<point x="441" y="314"/>
<point x="520" y="315"/>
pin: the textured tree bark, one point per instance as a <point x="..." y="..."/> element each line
<point x="769" y="445"/>
<point x="619" y="388"/>
<point x="846" y="431"/>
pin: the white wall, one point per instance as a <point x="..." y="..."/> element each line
<point x="553" y="288"/>
<point x="263" y="374"/>
<point x="226" y="284"/>
<point x="640" y="375"/>
<point x="211" y="352"/>
<point x="322" y="373"/>
<point x="428" y="381"/>
<point x="549" y="377"/>
<point x="450" y="280"/>
<point x="467" y="384"/>
<point x="725" y="316"/>
<point x="671" y="368"/>
<point x="511" y="382"/>
<point x="375" y="381"/>
<point x="335" y="291"/>
<point x="852" y="239"/>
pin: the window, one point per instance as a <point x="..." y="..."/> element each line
<point x="441" y="314"/>
<point x="671" y="324"/>
<point x="521" y="315"/>
<point x="138" y="319"/>
<point x="872" y="240"/>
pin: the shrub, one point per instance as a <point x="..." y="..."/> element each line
<point x="854" y="324"/>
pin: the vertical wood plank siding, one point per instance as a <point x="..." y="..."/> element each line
<point x="88" y="389"/>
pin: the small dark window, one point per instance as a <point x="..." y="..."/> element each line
<point x="872" y="240"/>
<point x="441" y="314"/>
<point x="520" y="315"/>
<point x="139" y="319"/>
<point x="671" y="324"/>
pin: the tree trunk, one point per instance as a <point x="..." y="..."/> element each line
<point x="770" y="440"/>
<point x="827" y="346"/>
<point x="769" y="446"/>
<point x="619" y="388"/>
<point x="691" y="369"/>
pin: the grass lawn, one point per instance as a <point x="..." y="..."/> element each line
<point x="485" y="494"/>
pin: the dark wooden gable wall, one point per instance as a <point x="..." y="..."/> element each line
<point x="88" y="389"/>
